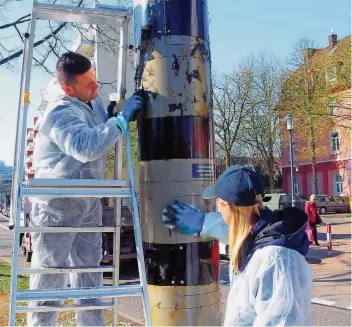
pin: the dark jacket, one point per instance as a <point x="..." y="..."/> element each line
<point x="285" y="228"/>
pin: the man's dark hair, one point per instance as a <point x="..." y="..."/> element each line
<point x="70" y="65"/>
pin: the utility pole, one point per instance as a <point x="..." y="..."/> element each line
<point x="289" y="125"/>
<point x="1" y="189"/>
<point x="176" y="151"/>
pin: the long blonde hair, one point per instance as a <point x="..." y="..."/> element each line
<point x="241" y="224"/>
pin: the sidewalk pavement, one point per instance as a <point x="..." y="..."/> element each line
<point x="332" y="273"/>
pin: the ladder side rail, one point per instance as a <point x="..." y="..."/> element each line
<point x="138" y="234"/>
<point x="14" y="185"/>
<point x="20" y="122"/>
<point x="28" y="54"/>
<point x="121" y="88"/>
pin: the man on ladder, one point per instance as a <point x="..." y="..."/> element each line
<point x="74" y="137"/>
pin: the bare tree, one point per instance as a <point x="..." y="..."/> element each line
<point x="53" y="37"/>
<point x="232" y="104"/>
<point x="262" y="128"/>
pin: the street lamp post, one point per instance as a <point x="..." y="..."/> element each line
<point x="289" y="126"/>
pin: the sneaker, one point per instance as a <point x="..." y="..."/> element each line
<point x="317" y="244"/>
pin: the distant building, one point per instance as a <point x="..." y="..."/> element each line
<point x="5" y="183"/>
<point x="333" y="166"/>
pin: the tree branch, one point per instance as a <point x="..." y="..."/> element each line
<point x="36" y="44"/>
<point x="17" y="22"/>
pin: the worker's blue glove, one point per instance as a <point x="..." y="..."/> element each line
<point x="131" y="107"/>
<point x="182" y="218"/>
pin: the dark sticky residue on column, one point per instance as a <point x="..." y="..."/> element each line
<point x="190" y="264"/>
<point x="194" y="74"/>
<point x="179" y="106"/>
<point x="175" y="65"/>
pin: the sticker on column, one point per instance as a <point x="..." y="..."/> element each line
<point x="203" y="171"/>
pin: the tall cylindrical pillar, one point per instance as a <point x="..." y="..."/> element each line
<point x="176" y="158"/>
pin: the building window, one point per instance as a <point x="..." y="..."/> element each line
<point x="338" y="184"/>
<point x="332" y="106"/>
<point x="295" y="186"/>
<point x="334" y="142"/>
<point x="331" y="74"/>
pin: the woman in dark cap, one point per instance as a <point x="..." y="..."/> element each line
<point x="271" y="282"/>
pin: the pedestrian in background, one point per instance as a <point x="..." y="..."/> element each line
<point x="311" y="211"/>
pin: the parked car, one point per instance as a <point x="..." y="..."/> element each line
<point x="26" y="240"/>
<point x="282" y="200"/>
<point x="6" y="211"/>
<point x="224" y="251"/>
<point x="127" y="240"/>
<point x="329" y="203"/>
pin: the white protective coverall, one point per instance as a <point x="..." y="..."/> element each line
<point x="275" y="287"/>
<point x="71" y="144"/>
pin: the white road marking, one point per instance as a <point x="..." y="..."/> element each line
<point x="6" y="227"/>
<point x="322" y="301"/>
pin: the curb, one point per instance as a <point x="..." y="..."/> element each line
<point x="328" y="303"/>
<point x="127" y="318"/>
<point x="130" y="320"/>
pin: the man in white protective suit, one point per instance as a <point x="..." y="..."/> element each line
<point x="75" y="135"/>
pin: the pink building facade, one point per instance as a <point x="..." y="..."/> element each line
<point x="333" y="164"/>
<point x="29" y="170"/>
<point x="334" y="158"/>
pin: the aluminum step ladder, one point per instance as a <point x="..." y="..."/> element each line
<point x="74" y="188"/>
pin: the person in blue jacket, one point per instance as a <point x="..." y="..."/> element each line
<point x="271" y="281"/>
<point x="74" y="137"/>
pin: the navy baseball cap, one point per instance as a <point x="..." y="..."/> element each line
<point x="238" y="186"/>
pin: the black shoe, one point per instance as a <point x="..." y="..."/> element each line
<point x="317" y="244"/>
<point x="310" y="243"/>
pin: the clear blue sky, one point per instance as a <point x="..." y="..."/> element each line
<point x="238" y="27"/>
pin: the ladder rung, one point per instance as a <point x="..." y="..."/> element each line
<point x="67" y="229"/>
<point x="76" y="182"/>
<point x="123" y="256"/>
<point x="48" y="271"/>
<point x="79" y="293"/>
<point x="65" y="307"/>
<point x="72" y="14"/>
<point x="64" y="192"/>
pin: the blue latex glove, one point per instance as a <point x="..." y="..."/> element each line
<point x="182" y="218"/>
<point x="131" y="107"/>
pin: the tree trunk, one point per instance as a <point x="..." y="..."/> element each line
<point x="228" y="159"/>
<point x="271" y="179"/>
<point x="313" y="159"/>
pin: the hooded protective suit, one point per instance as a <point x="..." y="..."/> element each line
<point x="274" y="283"/>
<point x="71" y="144"/>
